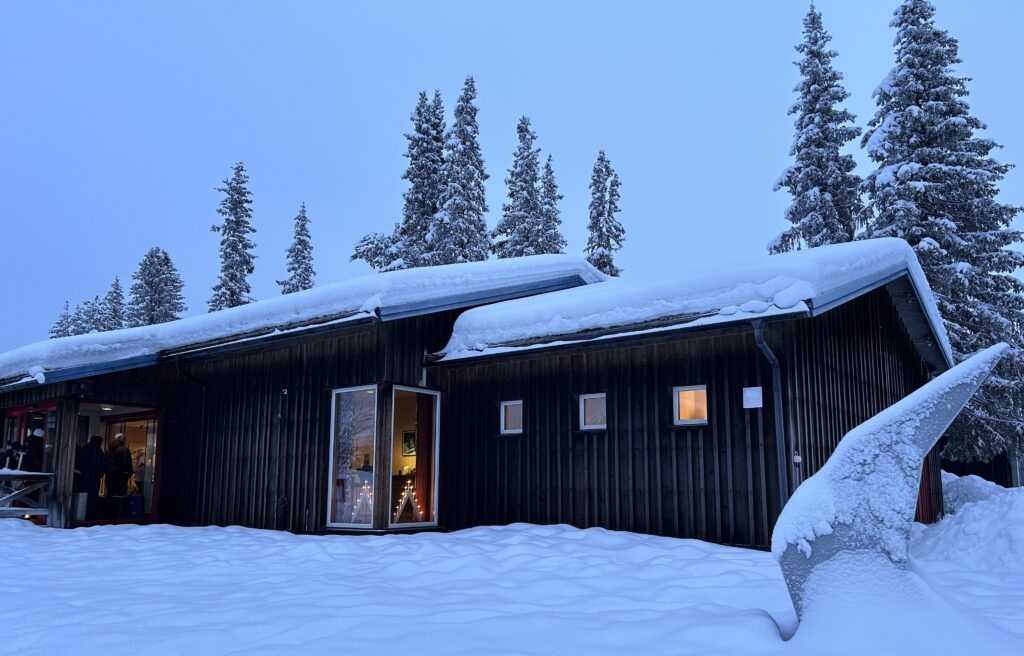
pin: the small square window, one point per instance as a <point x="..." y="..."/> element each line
<point x="690" y="405"/>
<point x="511" y="417"/>
<point x="593" y="412"/>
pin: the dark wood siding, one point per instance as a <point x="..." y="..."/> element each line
<point x="715" y="482"/>
<point x="245" y="436"/>
<point x="840" y="369"/>
<point x="643" y="474"/>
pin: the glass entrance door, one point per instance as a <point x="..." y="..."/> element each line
<point x="414" y="443"/>
<point x="353" y="441"/>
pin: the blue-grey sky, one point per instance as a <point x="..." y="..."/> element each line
<point x="118" y="119"/>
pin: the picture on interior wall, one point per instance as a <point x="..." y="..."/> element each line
<point x="408" y="443"/>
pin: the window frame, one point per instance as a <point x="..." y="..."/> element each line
<point x="503" y="430"/>
<point x="330" y="463"/>
<point x="437" y="454"/>
<point x="593" y="427"/>
<point x="676" y="421"/>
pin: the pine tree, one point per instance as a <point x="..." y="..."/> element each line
<point x="112" y="311"/>
<point x="606" y="233"/>
<point x="521" y="227"/>
<point x="299" y="256"/>
<point x="409" y="244"/>
<point x="826" y="206"/>
<point x="236" y="256"/>
<point x="88" y="317"/>
<point x="62" y="326"/>
<point x="936" y="187"/>
<point x="155" y="295"/>
<point x="551" y="240"/>
<point x="459" y="232"/>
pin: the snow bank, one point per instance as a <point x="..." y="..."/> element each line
<point x="160" y="590"/>
<point x="984" y="533"/>
<point x="761" y="287"/>
<point x="958" y="491"/>
<point x="520" y="589"/>
<point x="357" y="297"/>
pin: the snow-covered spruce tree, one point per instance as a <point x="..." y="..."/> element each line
<point x="88" y="317"/>
<point x="237" y="260"/>
<point x="521" y="228"/>
<point x="459" y="231"/>
<point x="299" y="257"/>
<point x="936" y="187"/>
<point x="409" y="243"/>
<point x="155" y="295"/>
<point x="826" y="207"/>
<point x="112" y="310"/>
<point x="62" y="326"/>
<point x="606" y="233"/>
<point x="551" y="240"/>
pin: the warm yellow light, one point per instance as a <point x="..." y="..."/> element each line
<point x="106" y="408"/>
<point x="693" y="405"/>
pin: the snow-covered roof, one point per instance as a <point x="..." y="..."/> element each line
<point x="801" y="283"/>
<point x="386" y="296"/>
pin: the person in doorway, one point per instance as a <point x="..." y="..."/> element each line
<point x="32" y="461"/>
<point x="119" y="467"/>
<point x="91" y="463"/>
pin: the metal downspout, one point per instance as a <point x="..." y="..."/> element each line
<point x="780" y="431"/>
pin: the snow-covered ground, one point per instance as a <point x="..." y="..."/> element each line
<point x="519" y="589"/>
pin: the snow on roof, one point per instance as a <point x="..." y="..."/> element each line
<point x="388" y="295"/>
<point x="766" y="286"/>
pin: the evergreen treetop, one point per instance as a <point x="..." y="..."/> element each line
<point x="522" y="225"/>
<point x="826" y="207"/>
<point x="156" y="292"/>
<point x="299" y="257"/>
<point x="606" y="233"/>
<point x="237" y="261"/>
<point x="935" y="186"/>
<point x="459" y="232"/>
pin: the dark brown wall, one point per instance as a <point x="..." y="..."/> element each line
<point x="717" y="482"/>
<point x="641" y="474"/>
<point x="843" y="367"/>
<point x="245" y="436"/>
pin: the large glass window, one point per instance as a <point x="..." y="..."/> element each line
<point x="414" y="456"/>
<point x="353" y="435"/>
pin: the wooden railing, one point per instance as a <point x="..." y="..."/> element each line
<point x="31" y="490"/>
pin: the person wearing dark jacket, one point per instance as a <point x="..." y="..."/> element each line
<point x="119" y="467"/>
<point x="90" y="463"/>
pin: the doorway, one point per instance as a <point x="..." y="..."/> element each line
<point x="116" y="461"/>
<point x="415" y="424"/>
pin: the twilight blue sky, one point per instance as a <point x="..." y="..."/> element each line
<point x="120" y="118"/>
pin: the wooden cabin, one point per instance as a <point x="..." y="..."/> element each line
<point x="689" y="404"/>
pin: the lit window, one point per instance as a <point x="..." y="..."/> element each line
<point x="511" y="417"/>
<point x="691" y="405"/>
<point x="593" y="412"/>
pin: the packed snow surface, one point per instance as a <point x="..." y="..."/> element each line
<point x="759" y="287"/>
<point x="361" y="296"/>
<point x="520" y="589"/>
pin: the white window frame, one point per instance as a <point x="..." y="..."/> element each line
<point x="501" y="418"/>
<point x="583" y="399"/>
<point x="330" y="466"/>
<point x="676" y="421"/>
<point x="437" y="453"/>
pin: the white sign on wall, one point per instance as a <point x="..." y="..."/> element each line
<point x="752" y="397"/>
